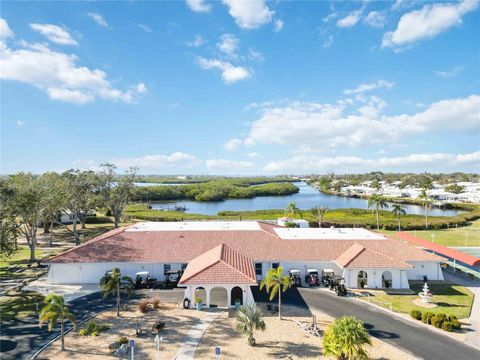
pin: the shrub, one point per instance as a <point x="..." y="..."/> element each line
<point x="346" y="338"/>
<point x="123" y="340"/>
<point x="417" y="315"/>
<point x="83" y="332"/>
<point x="143" y="305"/>
<point x="158" y="325"/>
<point x="438" y="320"/>
<point x="454" y="321"/>
<point x="156" y="303"/>
<point x="108" y="213"/>
<point x="447" y="326"/>
<point x="93" y="327"/>
<point x="95" y="333"/>
<point x="427" y="317"/>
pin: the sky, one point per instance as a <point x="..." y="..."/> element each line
<point x="241" y="87"/>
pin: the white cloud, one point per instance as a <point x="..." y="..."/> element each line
<point x="426" y="23"/>
<point x="199" y="6"/>
<point x="54" y="33"/>
<point x="253" y="155"/>
<point x="309" y="163"/>
<point x="98" y="19"/>
<point x="232" y="144"/>
<point x="376" y="19"/>
<point x="58" y="75"/>
<point x="448" y="74"/>
<point x="141" y="88"/>
<point x="255" y="55"/>
<point x="157" y="161"/>
<point x="197" y="41"/>
<point x="225" y="164"/>
<point x="249" y="14"/>
<point x="278" y="25"/>
<point x="230" y="73"/>
<point x="311" y="124"/>
<point x="145" y="28"/>
<point x="228" y="44"/>
<point x="20" y="123"/>
<point x="328" y="41"/>
<point x="5" y="31"/>
<point x="369" y="87"/>
<point x="350" y="20"/>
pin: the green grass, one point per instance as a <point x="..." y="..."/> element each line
<point x="17" y="304"/>
<point x="451" y="300"/>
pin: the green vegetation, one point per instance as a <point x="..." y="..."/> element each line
<point x="346" y="338"/>
<point x="114" y="283"/>
<point x="440" y="320"/>
<point x="275" y="283"/>
<point x="92" y="327"/>
<point x="19" y="304"/>
<point x="249" y="318"/>
<point x="216" y="190"/>
<point x="451" y="299"/>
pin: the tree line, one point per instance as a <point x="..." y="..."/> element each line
<point x="28" y="201"/>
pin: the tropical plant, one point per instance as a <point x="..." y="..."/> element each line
<point x="249" y="318"/>
<point x="417" y="315"/>
<point x="320" y="212"/>
<point x="427" y="203"/>
<point x="54" y="310"/>
<point x="378" y="202"/>
<point x="346" y="338"/>
<point x="292" y="210"/>
<point x="398" y="210"/>
<point x="113" y="283"/>
<point x="275" y="283"/>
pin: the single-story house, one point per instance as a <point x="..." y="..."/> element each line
<point x="236" y="255"/>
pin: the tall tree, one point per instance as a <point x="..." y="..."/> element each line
<point x="116" y="191"/>
<point x="346" y="338"/>
<point x="114" y="283"/>
<point x="378" y="202"/>
<point x="320" y="212"/>
<point x="398" y="210"/>
<point x="55" y="310"/>
<point x="54" y="200"/>
<point x="292" y="210"/>
<point x="276" y="283"/>
<point x="27" y="205"/>
<point x="427" y="203"/>
<point x="9" y="229"/>
<point x="249" y="318"/>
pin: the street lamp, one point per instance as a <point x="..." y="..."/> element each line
<point x="433" y="237"/>
<point x="158" y="340"/>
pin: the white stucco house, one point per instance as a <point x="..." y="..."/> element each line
<point x="236" y="255"/>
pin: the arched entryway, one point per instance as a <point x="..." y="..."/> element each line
<point x="237" y="294"/>
<point x="362" y="279"/>
<point x="387" y="279"/>
<point x="200" y="293"/>
<point x="218" y="297"/>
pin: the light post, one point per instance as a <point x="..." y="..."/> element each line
<point x="158" y="340"/>
<point x="433" y="237"/>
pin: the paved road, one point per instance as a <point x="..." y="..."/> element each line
<point x="417" y="340"/>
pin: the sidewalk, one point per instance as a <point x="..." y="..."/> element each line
<point x="473" y="338"/>
<point x="69" y="292"/>
<point x="194" y="336"/>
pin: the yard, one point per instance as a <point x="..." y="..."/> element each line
<point x="451" y="299"/>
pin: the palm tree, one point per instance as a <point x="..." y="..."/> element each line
<point x="275" y="283"/>
<point x="426" y="201"/>
<point x="54" y="310"/>
<point x="113" y="283"/>
<point x="292" y="210"/>
<point x="320" y="211"/>
<point x="398" y="209"/>
<point x="345" y="339"/>
<point x="378" y="202"/>
<point x="249" y="318"/>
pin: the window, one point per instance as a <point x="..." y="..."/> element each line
<point x="258" y="269"/>
<point x="275" y="265"/>
<point x="166" y="267"/>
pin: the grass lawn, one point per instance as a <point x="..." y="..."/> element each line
<point x="451" y="299"/>
<point x="17" y="304"/>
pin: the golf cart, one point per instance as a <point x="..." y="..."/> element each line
<point x="312" y="278"/>
<point x="172" y="278"/>
<point x="327" y="275"/>
<point x="144" y="281"/>
<point x="340" y="288"/>
<point x="295" y="277"/>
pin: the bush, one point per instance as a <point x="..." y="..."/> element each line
<point x="123" y="340"/>
<point x="95" y="333"/>
<point x="427" y="317"/>
<point x="454" y="321"/>
<point x="156" y="303"/>
<point x="417" y="315"/>
<point x="108" y="213"/>
<point x="143" y="305"/>
<point x="93" y="327"/>
<point x="83" y="332"/>
<point x="158" y="325"/>
<point x="438" y="320"/>
<point x="447" y="326"/>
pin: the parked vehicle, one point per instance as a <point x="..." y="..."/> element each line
<point x="172" y="278"/>
<point x="312" y="278"/>
<point x="327" y="275"/>
<point x="144" y="281"/>
<point x="295" y="277"/>
<point x="340" y="287"/>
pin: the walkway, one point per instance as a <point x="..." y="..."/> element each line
<point x="192" y="339"/>
<point x="473" y="338"/>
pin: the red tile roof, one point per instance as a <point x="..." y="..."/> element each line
<point x="358" y="256"/>
<point x="448" y="252"/>
<point x="220" y="265"/>
<point x="260" y="245"/>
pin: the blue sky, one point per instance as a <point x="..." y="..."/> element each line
<point x="235" y="87"/>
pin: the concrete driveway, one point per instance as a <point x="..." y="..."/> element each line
<point x="69" y="292"/>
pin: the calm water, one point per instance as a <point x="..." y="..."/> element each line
<point x="307" y="198"/>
